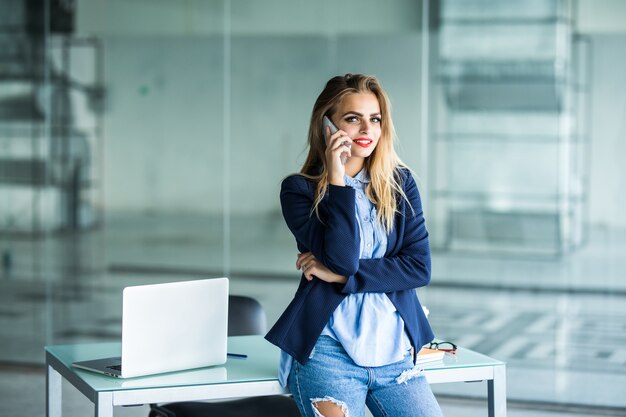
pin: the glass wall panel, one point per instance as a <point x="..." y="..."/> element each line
<point x="506" y="143"/>
<point x="164" y="155"/>
<point x="111" y="161"/>
<point x="39" y="178"/>
<point x="519" y="243"/>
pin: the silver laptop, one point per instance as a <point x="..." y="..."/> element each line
<point x="169" y="327"/>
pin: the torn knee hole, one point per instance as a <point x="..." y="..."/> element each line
<point x="329" y="407"/>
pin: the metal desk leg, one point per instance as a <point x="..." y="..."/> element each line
<point x="497" y="392"/>
<point x="54" y="393"/>
<point x="104" y="404"/>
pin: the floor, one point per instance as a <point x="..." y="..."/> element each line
<point x="560" y="324"/>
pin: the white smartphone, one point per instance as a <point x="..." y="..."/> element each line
<point x="333" y="129"/>
<point x="327" y="123"/>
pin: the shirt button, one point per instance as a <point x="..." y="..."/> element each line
<point x="369" y="245"/>
<point x="366" y="219"/>
<point x="358" y="196"/>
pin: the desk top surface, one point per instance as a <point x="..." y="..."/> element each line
<point x="260" y="365"/>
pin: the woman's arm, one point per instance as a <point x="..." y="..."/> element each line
<point x="410" y="267"/>
<point x="336" y="241"/>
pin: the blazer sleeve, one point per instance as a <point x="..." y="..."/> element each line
<point x="335" y="240"/>
<point x="408" y="268"/>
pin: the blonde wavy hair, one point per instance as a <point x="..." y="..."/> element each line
<point x="384" y="187"/>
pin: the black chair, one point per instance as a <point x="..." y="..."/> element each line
<point x="245" y="317"/>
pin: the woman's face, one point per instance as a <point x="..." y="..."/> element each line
<point x="359" y="116"/>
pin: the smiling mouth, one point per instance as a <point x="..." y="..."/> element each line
<point x="363" y="142"/>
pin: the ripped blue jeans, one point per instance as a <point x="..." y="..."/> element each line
<point x="396" y="390"/>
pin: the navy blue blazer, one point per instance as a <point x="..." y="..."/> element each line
<point x="335" y="242"/>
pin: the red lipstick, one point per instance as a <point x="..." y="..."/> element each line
<point x="363" y="142"/>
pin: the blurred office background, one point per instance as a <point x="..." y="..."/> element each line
<point x="145" y="141"/>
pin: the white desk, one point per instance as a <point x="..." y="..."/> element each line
<point x="254" y="376"/>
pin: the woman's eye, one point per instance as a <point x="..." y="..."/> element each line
<point x="351" y="119"/>
<point x="375" y="119"/>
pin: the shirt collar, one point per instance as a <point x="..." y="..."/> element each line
<point x="361" y="178"/>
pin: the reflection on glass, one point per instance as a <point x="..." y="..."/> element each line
<point x="507" y="142"/>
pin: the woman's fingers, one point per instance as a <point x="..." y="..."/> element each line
<point x="306" y="265"/>
<point x="340" y="142"/>
<point x="303" y="256"/>
<point x="303" y="260"/>
<point x="337" y="153"/>
<point x="299" y="258"/>
<point x="312" y="268"/>
<point x="308" y="275"/>
<point x="345" y="152"/>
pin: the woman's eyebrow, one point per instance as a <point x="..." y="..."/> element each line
<point x="359" y="114"/>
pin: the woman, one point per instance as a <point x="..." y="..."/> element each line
<point x="349" y="334"/>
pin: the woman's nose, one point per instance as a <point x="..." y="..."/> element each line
<point x="365" y="126"/>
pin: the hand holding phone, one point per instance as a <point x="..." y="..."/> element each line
<point x="333" y="129"/>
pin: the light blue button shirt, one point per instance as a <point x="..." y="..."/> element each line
<point x="366" y="324"/>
